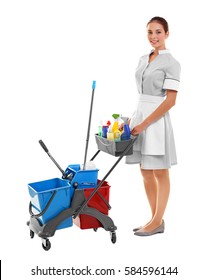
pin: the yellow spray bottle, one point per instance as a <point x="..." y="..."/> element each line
<point x="115" y="128"/>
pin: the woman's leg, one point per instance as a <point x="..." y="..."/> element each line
<point x="150" y="185"/>
<point x="163" y="189"/>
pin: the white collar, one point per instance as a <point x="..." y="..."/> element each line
<point x="161" y="51"/>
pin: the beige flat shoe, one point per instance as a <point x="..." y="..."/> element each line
<point x="136" y="229"/>
<point x="159" y="229"/>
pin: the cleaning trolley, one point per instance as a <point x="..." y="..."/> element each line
<point x="78" y="197"/>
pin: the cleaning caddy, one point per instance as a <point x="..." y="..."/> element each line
<point x="79" y="197"/>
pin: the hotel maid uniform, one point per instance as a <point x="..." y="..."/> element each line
<point x="155" y="146"/>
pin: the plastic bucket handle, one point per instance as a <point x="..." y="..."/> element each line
<point x="46" y="207"/>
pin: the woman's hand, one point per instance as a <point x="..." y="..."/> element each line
<point x="138" y="129"/>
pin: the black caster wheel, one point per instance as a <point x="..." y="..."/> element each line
<point x="113" y="237"/>
<point x="95" y="229"/>
<point x="46" y="245"/>
<point x="31" y="234"/>
<point x="75" y="185"/>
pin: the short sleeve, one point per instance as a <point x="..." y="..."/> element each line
<point x="172" y="77"/>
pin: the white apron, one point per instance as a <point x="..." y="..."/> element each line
<point x="152" y="140"/>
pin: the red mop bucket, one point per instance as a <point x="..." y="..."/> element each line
<point x="84" y="221"/>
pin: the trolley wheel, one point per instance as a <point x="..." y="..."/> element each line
<point x="95" y="229"/>
<point x="75" y="185"/>
<point x="113" y="236"/>
<point x="46" y="245"/>
<point x="31" y="234"/>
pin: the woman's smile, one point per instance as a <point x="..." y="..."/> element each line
<point x="154" y="41"/>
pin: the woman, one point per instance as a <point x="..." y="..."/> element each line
<point x="157" y="78"/>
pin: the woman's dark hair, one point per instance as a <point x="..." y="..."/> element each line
<point x="161" y="21"/>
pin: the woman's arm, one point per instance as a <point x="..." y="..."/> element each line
<point x="162" y="109"/>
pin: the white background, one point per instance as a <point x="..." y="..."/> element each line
<point x="51" y="51"/>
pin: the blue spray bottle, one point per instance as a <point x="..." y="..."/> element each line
<point x="126" y="134"/>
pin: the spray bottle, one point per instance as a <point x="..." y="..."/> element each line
<point x="105" y="129"/>
<point x="110" y="134"/>
<point x="126" y="134"/>
<point x="100" y="128"/>
<point x="115" y="128"/>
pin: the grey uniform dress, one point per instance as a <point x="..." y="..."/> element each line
<point x="155" y="146"/>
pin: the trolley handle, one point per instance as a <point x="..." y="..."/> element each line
<point x="42" y="144"/>
<point x="45" y="209"/>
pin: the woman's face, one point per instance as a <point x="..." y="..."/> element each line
<point x="157" y="35"/>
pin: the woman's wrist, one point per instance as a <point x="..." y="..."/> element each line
<point x="145" y="124"/>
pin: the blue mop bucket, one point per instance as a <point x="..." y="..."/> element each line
<point x="49" y="198"/>
<point x="84" y="178"/>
